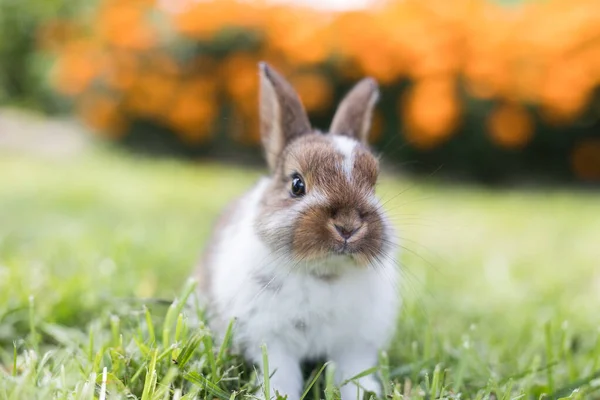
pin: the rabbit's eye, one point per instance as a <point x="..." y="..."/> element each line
<point x="298" y="188"/>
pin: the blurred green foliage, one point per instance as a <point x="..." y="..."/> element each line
<point x="23" y="67"/>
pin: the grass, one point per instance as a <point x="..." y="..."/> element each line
<point x="501" y="289"/>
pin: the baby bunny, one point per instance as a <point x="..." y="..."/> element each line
<point x="305" y="261"/>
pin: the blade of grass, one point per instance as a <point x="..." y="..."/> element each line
<point x="14" y="370"/>
<point x="144" y="349"/>
<point x="32" y="327"/>
<point x="226" y="341"/>
<point x="175" y="309"/>
<point x="427" y="383"/>
<point x="177" y="394"/>
<point x="115" y="329"/>
<point x="179" y="328"/>
<point x="150" y="380"/>
<point x="150" y="326"/>
<point x="98" y="359"/>
<point x="549" y="356"/>
<point x="266" y="377"/>
<point x="102" y="395"/>
<point x="112" y="378"/>
<point x="169" y="321"/>
<point x="384" y="371"/>
<point x="436" y="382"/>
<point x="330" y="388"/>
<point x="63" y="380"/>
<point x="165" y="383"/>
<point x="91" y="346"/>
<point x="316" y="390"/>
<point x="204" y="383"/>
<point x="312" y="382"/>
<point x="210" y="355"/>
<point x="564" y="391"/>
<point x="188" y="350"/>
<point x="137" y="374"/>
<point x="42" y="363"/>
<point x="361" y="375"/>
<point x="508" y="390"/>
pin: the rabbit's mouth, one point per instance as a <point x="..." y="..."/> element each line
<point x="332" y="265"/>
<point x="345" y="248"/>
<point x="351" y="251"/>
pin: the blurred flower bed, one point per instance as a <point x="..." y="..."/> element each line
<point x="487" y="91"/>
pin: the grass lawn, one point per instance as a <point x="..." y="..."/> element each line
<point x="501" y="289"/>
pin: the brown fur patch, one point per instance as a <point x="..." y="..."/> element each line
<point x="365" y="168"/>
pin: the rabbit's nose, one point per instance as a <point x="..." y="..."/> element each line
<point x="346" y="231"/>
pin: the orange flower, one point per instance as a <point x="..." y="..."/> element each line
<point x="123" y="70"/>
<point x="200" y="20"/>
<point x="191" y="115"/>
<point x="77" y="67"/>
<point x="585" y="160"/>
<point x="123" y="24"/>
<point x="240" y="76"/>
<point x="430" y="111"/>
<point x="241" y="80"/>
<point x="555" y="65"/>
<point x="359" y="36"/>
<point x="314" y="90"/>
<point x="152" y="94"/>
<point x="289" y="33"/>
<point x="565" y="92"/>
<point x="430" y="47"/>
<point x="510" y="126"/>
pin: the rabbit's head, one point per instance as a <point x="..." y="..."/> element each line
<point x="321" y="198"/>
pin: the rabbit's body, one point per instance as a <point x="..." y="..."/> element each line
<point x="309" y="271"/>
<point x="275" y="302"/>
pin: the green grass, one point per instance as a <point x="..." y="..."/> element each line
<point x="501" y="289"/>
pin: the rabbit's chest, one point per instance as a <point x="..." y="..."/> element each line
<point x="313" y="314"/>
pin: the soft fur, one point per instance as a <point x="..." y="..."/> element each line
<point x="312" y="276"/>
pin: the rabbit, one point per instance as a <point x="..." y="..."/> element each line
<point x="305" y="261"/>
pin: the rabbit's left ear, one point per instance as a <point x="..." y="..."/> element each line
<point x="282" y="116"/>
<point x="353" y="116"/>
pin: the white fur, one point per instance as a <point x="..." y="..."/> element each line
<point x="345" y="146"/>
<point x="297" y="315"/>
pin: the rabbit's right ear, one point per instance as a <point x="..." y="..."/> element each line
<point x="282" y="116"/>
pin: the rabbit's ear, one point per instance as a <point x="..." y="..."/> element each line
<point x="353" y="116"/>
<point x="282" y="116"/>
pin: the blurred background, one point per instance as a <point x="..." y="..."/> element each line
<point x="481" y="90"/>
<point x="488" y="122"/>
